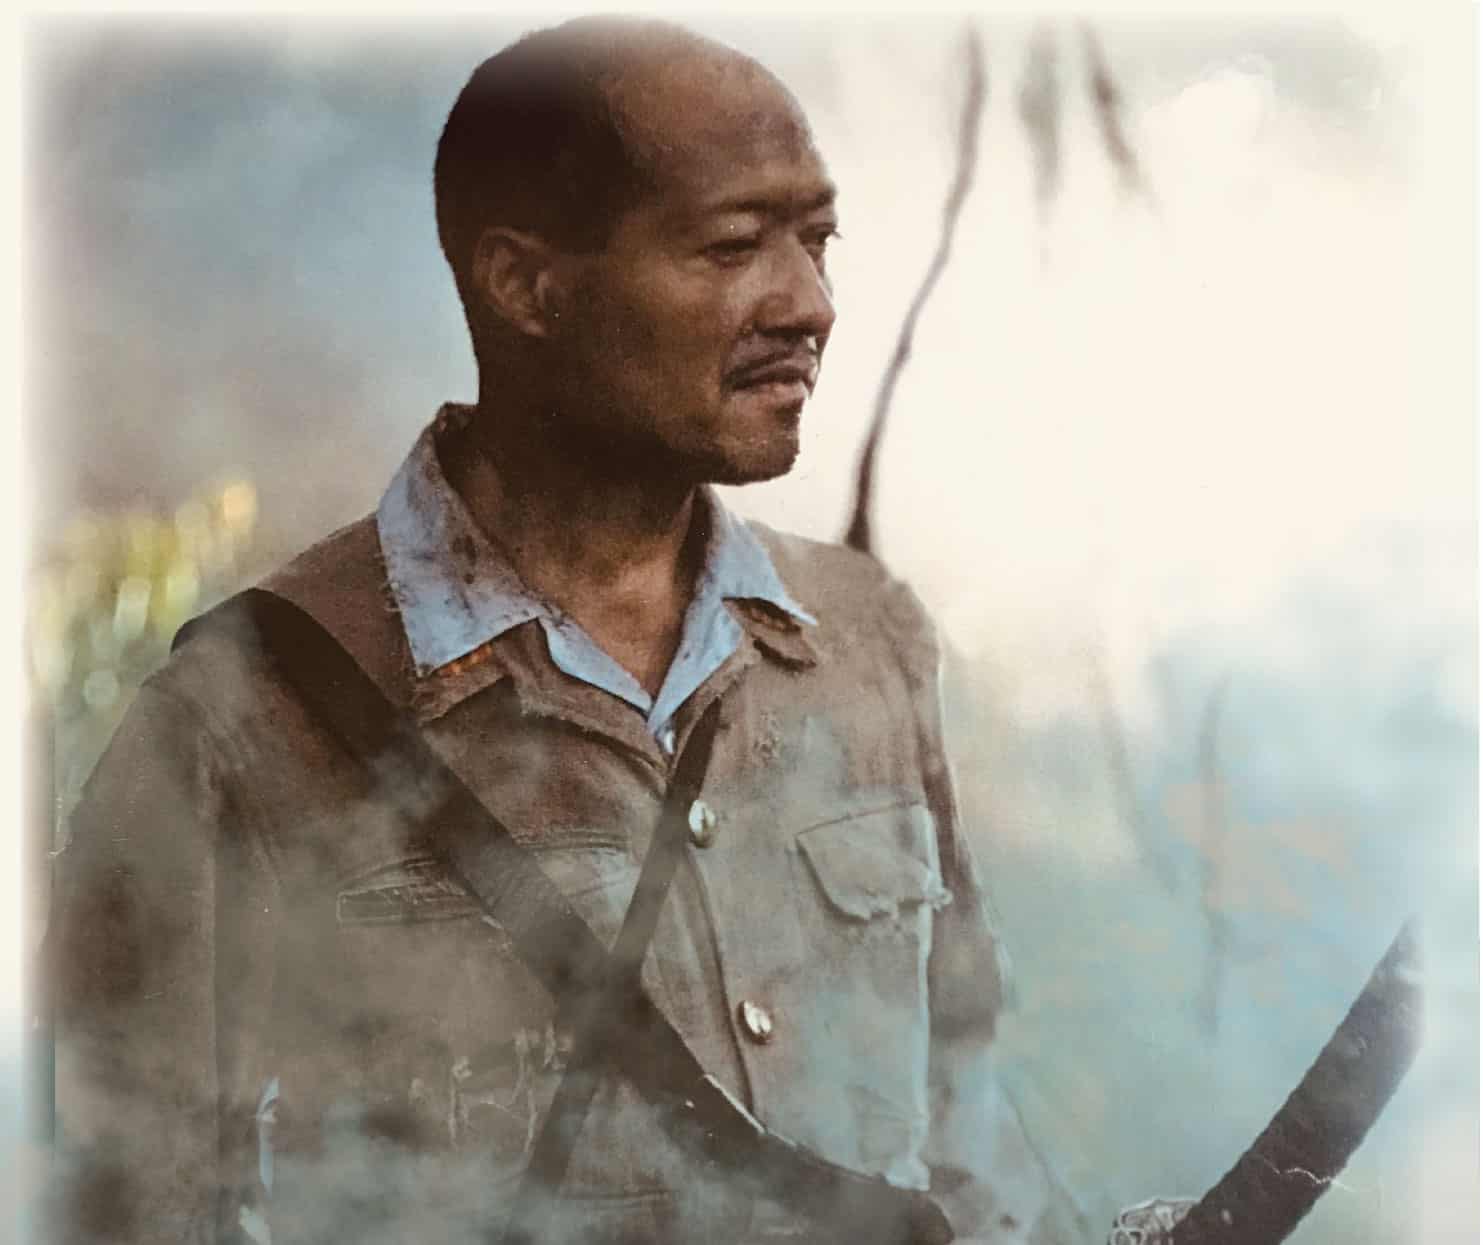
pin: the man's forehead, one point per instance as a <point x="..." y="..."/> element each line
<point x="702" y="123"/>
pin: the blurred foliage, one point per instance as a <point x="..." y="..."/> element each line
<point x="107" y="599"/>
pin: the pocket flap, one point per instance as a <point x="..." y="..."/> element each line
<point x="875" y="864"/>
<point x="404" y="892"/>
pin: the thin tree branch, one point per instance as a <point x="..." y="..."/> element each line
<point x="1040" y="113"/>
<point x="859" y="534"/>
<point x="1107" y="101"/>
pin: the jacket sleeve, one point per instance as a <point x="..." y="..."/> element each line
<point x="160" y="957"/>
<point x="986" y="1174"/>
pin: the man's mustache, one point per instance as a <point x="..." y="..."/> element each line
<point x="786" y="364"/>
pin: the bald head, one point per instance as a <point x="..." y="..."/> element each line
<point x="695" y="116"/>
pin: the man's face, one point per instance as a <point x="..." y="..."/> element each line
<point x="691" y="342"/>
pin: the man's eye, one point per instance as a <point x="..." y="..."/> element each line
<point x="733" y="250"/>
<point x="817" y="241"/>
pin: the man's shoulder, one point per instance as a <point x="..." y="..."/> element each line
<point x="339" y="581"/>
<point x="850" y="593"/>
<point x="341" y="573"/>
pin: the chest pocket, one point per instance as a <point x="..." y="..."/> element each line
<point x="402" y="893"/>
<point x="591" y="868"/>
<point x="880" y="864"/>
<point x="866" y="887"/>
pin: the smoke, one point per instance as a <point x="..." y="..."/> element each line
<point x="1221" y="440"/>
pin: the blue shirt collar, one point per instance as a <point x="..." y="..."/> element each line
<point x="455" y="592"/>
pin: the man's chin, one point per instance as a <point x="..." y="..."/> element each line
<point x="755" y="464"/>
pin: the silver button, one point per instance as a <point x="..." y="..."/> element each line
<point x="667" y="739"/>
<point x="702" y="824"/>
<point x="756" y="1020"/>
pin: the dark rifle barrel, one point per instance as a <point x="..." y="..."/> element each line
<point x="1308" y="1142"/>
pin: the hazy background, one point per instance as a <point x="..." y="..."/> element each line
<point x="1187" y="473"/>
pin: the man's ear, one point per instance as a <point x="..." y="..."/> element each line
<point x="514" y="275"/>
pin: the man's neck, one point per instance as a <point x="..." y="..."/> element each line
<point x="618" y="553"/>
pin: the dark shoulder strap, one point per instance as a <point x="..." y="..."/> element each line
<point x="600" y="1020"/>
<point x="547" y="932"/>
<point x="561" y="950"/>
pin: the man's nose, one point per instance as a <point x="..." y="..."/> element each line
<point x="799" y="298"/>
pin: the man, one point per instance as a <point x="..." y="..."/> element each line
<point x="283" y="1016"/>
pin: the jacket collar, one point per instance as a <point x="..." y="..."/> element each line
<point x="777" y="632"/>
<point x="456" y="595"/>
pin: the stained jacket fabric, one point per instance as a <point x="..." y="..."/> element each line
<point x="237" y="904"/>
